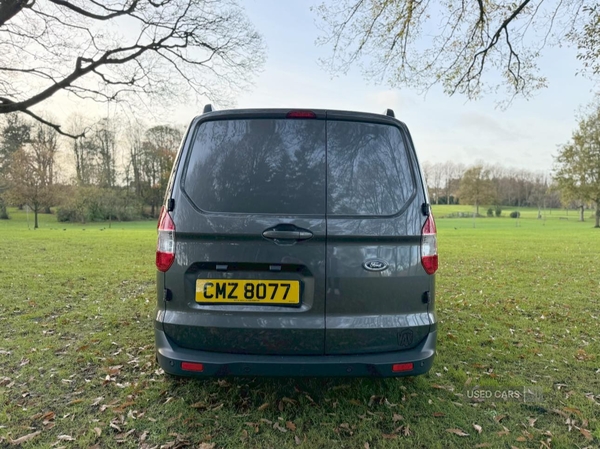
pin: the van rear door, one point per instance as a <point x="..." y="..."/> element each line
<point x="375" y="281"/>
<point x="249" y="270"/>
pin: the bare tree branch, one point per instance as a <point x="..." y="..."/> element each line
<point x="455" y="43"/>
<point x="10" y="8"/>
<point x="171" y="46"/>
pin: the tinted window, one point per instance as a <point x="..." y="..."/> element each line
<point x="369" y="171"/>
<point x="258" y="166"/>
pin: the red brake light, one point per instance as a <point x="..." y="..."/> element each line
<point x="165" y="248"/>
<point x="429" y="255"/>
<point x="301" y="114"/>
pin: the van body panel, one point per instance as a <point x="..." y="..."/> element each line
<point x="332" y="203"/>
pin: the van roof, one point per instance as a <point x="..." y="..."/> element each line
<point x="281" y="113"/>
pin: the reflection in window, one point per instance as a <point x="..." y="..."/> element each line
<point x="368" y="169"/>
<point x="258" y="166"/>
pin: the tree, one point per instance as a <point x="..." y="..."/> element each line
<point x="456" y="44"/>
<point x="577" y="169"/>
<point x="158" y="153"/>
<point x="13" y="136"/>
<point x="44" y="146"/>
<point x="26" y="183"/>
<point x="168" y="48"/>
<point x="84" y="151"/>
<point x="476" y="187"/>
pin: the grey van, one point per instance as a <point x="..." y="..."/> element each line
<point x="296" y="243"/>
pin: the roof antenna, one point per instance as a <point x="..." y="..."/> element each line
<point x="208" y="108"/>
<point x="390" y="113"/>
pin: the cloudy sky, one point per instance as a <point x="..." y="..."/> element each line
<point x="526" y="135"/>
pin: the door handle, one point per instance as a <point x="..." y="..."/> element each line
<point x="297" y="234"/>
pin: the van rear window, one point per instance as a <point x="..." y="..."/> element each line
<point x="264" y="166"/>
<point x="369" y="171"/>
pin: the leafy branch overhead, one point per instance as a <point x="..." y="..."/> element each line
<point x="469" y="48"/>
<point x="124" y="50"/>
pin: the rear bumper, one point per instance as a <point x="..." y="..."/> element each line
<point x="216" y="364"/>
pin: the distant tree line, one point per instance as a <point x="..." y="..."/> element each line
<point x="481" y="184"/>
<point x="118" y="171"/>
<point x="574" y="182"/>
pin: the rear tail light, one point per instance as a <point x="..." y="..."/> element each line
<point x="165" y="248"/>
<point x="429" y="255"/>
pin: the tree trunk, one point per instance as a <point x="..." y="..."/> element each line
<point x="581" y="218"/>
<point x="35" y="218"/>
<point x="3" y="212"/>
<point x="597" y="225"/>
<point x="476" y="209"/>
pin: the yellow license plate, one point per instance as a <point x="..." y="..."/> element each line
<point x="242" y="291"/>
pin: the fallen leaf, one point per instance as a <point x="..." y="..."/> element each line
<point x="98" y="431"/>
<point x="560" y="412"/>
<point x="587" y="434"/>
<point x="439" y="415"/>
<point x="389" y="436"/>
<point x="263" y="407"/>
<point x="397" y="418"/>
<point x="297" y="440"/>
<point x="366" y="446"/>
<point x="278" y="427"/>
<point x="290" y="425"/>
<point x="65" y="438"/>
<point x="26" y="438"/>
<point x="572" y="410"/>
<point x="482" y="445"/>
<point x="123" y="436"/>
<point x="532" y="421"/>
<point x="477" y="427"/>
<point x="206" y="446"/>
<point x="48" y="416"/>
<point x="499" y="418"/>
<point x="458" y="432"/>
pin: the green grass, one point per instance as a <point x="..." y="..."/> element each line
<point x="517" y="304"/>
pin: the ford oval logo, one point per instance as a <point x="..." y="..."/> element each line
<point x="375" y="265"/>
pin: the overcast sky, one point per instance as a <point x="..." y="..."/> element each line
<point x="526" y="135"/>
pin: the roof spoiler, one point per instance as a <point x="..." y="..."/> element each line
<point x="208" y="108"/>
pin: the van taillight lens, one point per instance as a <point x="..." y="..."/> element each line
<point x="165" y="248"/>
<point x="429" y="255"/>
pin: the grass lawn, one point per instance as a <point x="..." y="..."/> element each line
<point x="517" y="301"/>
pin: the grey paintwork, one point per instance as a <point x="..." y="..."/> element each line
<point x="344" y="309"/>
